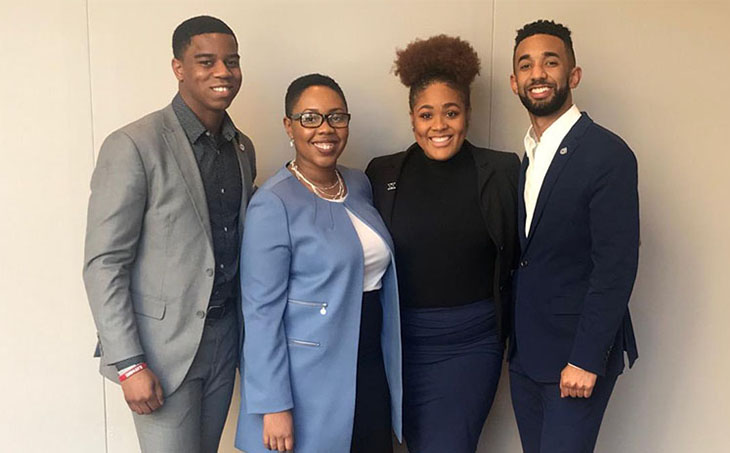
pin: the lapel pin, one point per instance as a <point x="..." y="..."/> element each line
<point x="563" y="151"/>
<point x="390" y="186"/>
<point x="241" y="147"/>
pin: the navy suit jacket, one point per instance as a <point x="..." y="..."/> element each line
<point x="578" y="263"/>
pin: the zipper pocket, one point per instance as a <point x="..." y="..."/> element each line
<point x="311" y="344"/>
<point x="321" y="305"/>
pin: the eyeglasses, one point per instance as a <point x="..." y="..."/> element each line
<point x="314" y="120"/>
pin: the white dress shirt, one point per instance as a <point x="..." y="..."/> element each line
<point x="541" y="154"/>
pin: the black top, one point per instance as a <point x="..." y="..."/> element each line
<point x="497" y="173"/>
<point x="219" y="169"/>
<point x="444" y="255"/>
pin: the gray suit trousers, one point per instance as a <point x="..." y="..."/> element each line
<point x="191" y="419"/>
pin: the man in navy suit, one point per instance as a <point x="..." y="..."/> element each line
<point x="579" y="235"/>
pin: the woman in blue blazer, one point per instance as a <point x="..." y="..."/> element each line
<point x="321" y="361"/>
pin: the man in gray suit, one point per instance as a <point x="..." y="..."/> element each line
<point x="165" y="219"/>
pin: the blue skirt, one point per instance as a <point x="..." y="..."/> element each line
<point x="452" y="360"/>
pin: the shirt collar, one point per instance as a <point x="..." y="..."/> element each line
<point x="555" y="133"/>
<point x="193" y="127"/>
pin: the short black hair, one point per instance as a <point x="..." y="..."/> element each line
<point x="546" y="27"/>
<point x="194" y="26"/>
<point x="297" y="87"/>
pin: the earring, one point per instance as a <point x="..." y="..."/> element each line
<point x="291" y="143"/>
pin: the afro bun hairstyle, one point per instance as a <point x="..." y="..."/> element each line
<point x="439" y="58"/>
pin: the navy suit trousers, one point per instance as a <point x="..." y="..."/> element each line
<point x="550" y="424"/>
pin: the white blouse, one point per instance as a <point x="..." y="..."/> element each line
<point x="376" y="253"/>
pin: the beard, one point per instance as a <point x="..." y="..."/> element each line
<point x="545" y="108"/>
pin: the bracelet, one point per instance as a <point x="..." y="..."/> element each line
<point x="131" y="371"/>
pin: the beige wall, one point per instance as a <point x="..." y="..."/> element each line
<point x="73" y="71"/>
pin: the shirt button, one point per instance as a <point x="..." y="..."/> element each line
<point x="200" y="314"/>
<point x="222" y="266"/>
<point x="225" y="229"/>
<point x="207" y="133"/>
<point x="223" y="190"/>
<point x="209" y="272"/>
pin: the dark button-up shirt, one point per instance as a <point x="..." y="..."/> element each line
<point x="221" y="175"/>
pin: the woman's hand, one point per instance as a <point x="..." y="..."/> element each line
<point x="278" y="433"/>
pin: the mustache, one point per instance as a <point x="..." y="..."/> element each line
<point x="541" y="82"/>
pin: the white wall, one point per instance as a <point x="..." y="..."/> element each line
<point x="73" y="71"/>
<point x="51" y="393"/>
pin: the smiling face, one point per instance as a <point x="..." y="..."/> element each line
<point x="440" y="121"/>
<point x="209" y="74"/>
<point x="543" y="75"/>
<point x="318" y="148"/>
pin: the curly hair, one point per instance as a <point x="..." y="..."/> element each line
<point x="439" y="58"/>
<point x="546" y="27"/>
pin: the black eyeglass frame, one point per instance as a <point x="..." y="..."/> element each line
<point x="322" y="118"/>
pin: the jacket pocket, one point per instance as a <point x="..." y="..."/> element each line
<point x="309" y="344"/>
<point x="148" y="306"/>
<point x="306" y="322"/>
<point x="322" y="306"/>
<point x="570" y="300"/>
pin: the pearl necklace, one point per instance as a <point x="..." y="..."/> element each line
<point x="320" y="191"/>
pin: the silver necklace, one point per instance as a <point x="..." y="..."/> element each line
<point x="320" y="191"/>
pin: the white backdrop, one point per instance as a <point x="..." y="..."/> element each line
<point x="74" y="70"/>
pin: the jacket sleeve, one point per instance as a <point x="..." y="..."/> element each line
<point x="614" y="228"/>
<point x="265" y="259"/>
<point x="113" y="227"/>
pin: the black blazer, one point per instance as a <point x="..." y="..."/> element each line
<point x="497" y="178"/>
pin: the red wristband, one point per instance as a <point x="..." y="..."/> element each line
<point x="132" y="371"/>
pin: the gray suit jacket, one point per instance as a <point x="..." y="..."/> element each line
<point x="148" y="261"/>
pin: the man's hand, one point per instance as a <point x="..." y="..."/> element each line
<point x="278" y="433"/>
<point x="576" y="382"/>
<point x="143" y="392"/>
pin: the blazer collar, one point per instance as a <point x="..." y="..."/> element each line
<point x="179" y="146"/>
<point x="389" y="177"/>
<point x="568" y="147"/>
<point x="484" y="168"/>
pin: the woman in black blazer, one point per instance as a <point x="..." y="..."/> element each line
<point x="451" y="209"/>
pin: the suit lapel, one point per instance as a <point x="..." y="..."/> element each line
<point x="521" y="213"/>
<point x="484" y="170"/>
<point x="179" y="146"/>
<point x="565" y="151"/>
<point x="388" y="178"/>
<point x="245" y="166"/>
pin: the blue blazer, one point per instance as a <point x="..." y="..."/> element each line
<point x="301" y="286"/>
<point x="579" y="261"/>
